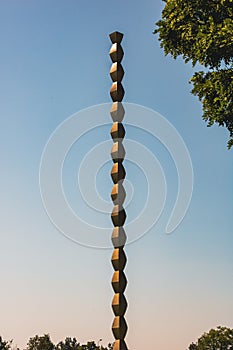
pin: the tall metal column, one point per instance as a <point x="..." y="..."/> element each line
<point x="119" y="281"/>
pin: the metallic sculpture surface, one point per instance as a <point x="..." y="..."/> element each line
<point x="119" y="281"/>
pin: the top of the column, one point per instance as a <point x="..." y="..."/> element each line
<point x="116" y="37"/>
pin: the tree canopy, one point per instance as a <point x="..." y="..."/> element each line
<point x="4" y="345"/>
<point x="7" y="345"/>
<point x="40" y="343"/>
<point x="201" y="31"/>
<point x="44" y="343"/>
<point x="68" y="344"/>
<point x="216" y="339"/>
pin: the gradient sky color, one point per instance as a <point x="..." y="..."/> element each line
<point x="54" y="62"/>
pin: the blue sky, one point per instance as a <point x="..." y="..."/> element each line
<point x="54" y="62"/>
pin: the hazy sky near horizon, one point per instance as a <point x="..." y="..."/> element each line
<point x="54" y="63"/>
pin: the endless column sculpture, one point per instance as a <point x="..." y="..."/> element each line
<point x="119" y="303"/>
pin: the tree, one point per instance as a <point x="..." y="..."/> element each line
<point x="4" y="345"/>
<point x="72" y="344"/>
<point x="91" y="345"/>
<point x="40" y="343"/>
<point x="216" y="339"/>
<point x="201" y="31"/>
<point x="7" y="345"/>
<point x="68" y="344"/>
